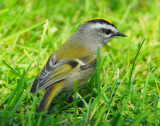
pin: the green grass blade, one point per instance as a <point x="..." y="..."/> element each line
<point x="21" y="32"/>
<point x="13" y="70"/>
<point x="155" y="111"/>
<point x="133" y="65"/>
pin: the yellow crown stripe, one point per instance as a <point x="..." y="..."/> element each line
<point x="102" y="19"/>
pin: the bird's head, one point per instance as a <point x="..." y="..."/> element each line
<point x="100" y="30"/>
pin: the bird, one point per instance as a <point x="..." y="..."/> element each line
<point x="74" y="61"/>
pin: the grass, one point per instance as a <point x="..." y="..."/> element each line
<point x="126" y="87"/>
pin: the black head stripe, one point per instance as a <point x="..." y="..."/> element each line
<point x="101" y="21"/>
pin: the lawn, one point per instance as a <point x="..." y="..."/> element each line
<point x="125" y="90"/>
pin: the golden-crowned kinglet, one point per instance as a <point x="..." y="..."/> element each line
<point x="74" y="61"/>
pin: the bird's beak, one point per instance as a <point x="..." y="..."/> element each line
<point x="120" y="34"/>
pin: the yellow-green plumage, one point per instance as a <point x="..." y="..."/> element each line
<point x="49" y="94"/>
<point x="71" y="50"/>
<point x="68" y="64"/>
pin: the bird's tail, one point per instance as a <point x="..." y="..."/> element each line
<point x="49" y="94"/>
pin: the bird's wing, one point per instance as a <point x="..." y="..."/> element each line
<point x="56" y="71"/>
<point x="44" y="72"/>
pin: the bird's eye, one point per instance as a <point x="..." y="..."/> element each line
<point x="108" y="31"/>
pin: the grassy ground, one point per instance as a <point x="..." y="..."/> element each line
<point x="127" y="90"/>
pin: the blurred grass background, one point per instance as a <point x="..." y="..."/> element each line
<point x="31" y="30"/>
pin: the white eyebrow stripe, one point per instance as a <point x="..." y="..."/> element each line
<point x="100" y="26"/>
